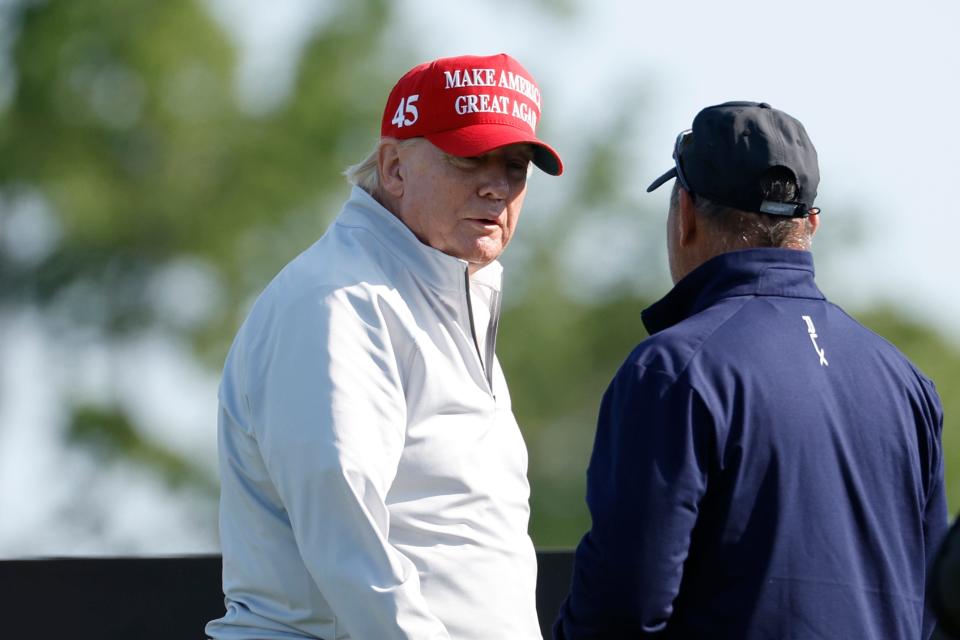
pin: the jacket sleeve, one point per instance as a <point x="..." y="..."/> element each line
<point x="329" y="414"/>
<point x="936" y="515"/>
<point x="647" y="475"/>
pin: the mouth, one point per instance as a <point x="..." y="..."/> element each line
<point x="490" y="223"/>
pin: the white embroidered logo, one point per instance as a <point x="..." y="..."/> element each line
<point x="813" y="338"/>
<point x="407" y="113"/>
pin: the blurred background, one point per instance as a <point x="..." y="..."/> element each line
<point x="161" y="161"/>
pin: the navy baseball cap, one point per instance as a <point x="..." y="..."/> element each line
<point x="732" y="145"/>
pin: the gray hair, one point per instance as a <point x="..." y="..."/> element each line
<point x="736" y="229"/>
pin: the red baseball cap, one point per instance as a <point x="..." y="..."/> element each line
<point x="469" y="105"/>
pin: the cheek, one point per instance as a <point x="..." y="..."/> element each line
<point x="513" y="209"/>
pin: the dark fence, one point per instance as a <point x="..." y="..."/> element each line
<point x="157" y="598"/>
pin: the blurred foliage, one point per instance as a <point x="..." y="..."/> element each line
<point x="559" y="354"/>
<point x="109" y="432"/>
<point x="125" y="119"/>
<point x="939" y="360"/>
<point x="125" y="145"/>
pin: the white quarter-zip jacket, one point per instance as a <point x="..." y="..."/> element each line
<point x="373" y="477"/>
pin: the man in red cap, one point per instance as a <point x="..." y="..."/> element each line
<point x="373" y="475"/>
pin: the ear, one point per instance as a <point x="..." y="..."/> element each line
<point x="814" y="222"/>
<point x="687" y="220"/>
<point x="388" y="164"/>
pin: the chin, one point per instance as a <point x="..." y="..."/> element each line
<point x="478" y="261"/>
<point x="483" y="253"/>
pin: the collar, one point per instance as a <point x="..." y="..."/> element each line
<point x="437" y="269"/>
<point x="752" y="272"/>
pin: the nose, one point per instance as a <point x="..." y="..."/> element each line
<point x="494" y="181"/>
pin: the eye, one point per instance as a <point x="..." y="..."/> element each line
<point x="467" y="164"/>
<point x="518" y="167"/>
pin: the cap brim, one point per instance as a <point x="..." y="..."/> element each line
<point x="477" y="139"/>
<point x="669" y="175"/>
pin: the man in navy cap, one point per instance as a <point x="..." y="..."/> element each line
<point x="764" y="466"/>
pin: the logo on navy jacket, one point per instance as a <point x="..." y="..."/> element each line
<point x="812" y="330"/>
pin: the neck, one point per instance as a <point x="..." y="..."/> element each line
<point x="385" y="200"/>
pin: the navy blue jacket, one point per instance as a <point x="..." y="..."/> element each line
<point x="764" y="467"/>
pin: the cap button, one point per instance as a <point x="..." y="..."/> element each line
<point x="764" y="105"/>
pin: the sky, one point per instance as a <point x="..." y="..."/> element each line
<point x="875" y="84"/>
